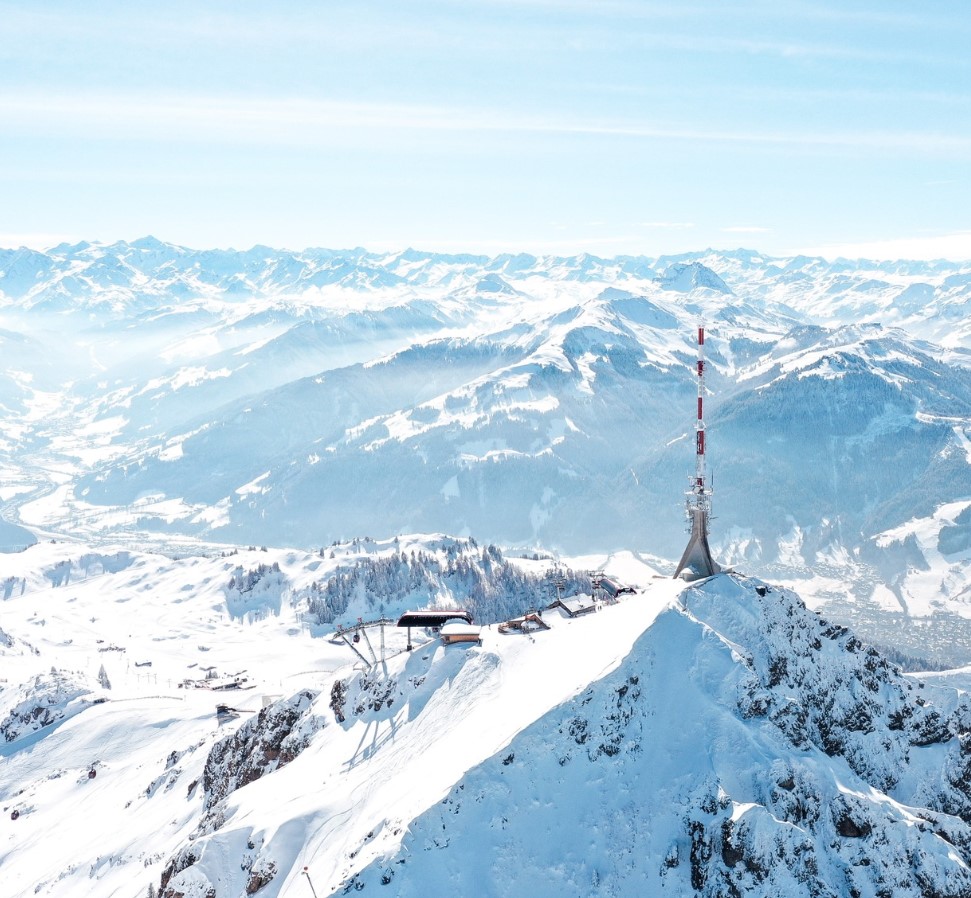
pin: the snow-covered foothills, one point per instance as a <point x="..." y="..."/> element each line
<point x="712" y="739"/>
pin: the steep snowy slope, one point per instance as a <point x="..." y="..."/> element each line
<point x="717" y="739"/>
<point x="743" y="747"/>
<point x="114" y="662"/>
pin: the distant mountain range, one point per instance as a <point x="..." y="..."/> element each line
<point x="294" y="398"/>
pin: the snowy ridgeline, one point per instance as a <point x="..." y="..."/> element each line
<point x="714" y="740"/>
<point x="122" y="274"/>
<point x="743" y="746"/>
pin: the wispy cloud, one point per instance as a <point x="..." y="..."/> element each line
<point x="665" y="225"/>
<point x="745" y="229"/>
<point x="323" y="122"/>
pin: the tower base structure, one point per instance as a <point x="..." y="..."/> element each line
<point x="696" y="562"/>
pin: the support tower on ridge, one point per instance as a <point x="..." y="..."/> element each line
<point x="696" y="562"/>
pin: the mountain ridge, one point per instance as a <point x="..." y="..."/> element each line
<point x="217" y="396"/>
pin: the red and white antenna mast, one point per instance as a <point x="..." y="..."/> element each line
<point x="696" y="562"/>
<point x="700" y="493"/>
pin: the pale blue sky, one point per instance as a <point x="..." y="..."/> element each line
<point x="543" y="125"/>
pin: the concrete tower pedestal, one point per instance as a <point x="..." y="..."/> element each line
<point x="696" y="563"/>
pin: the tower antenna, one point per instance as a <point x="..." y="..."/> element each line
<point x="696" y="562"/>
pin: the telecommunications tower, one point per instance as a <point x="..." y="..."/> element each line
<point x="696" y="562"/>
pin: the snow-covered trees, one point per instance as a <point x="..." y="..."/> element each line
<point x="244" y="581"/>
<point x="481" y="581"/>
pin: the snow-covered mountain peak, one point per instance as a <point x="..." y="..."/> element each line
<point x="685" y="277"/>
<point x="752" y="750"/>
<point x="713" y="739"/>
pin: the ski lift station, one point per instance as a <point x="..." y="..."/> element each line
<point x="435" y="620"/>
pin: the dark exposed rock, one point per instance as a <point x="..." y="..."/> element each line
<point x="701" y="851"/>
<point x="260" y="875"/>
<point x="179" y="862"/>
<point x="47" y="699"/>
<point x="849" y="829"/>
<point x="271" y="739"/>
<point x="856" y="709"/>
<point x="264" y="743"/>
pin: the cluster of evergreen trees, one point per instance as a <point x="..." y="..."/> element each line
<point x="482" y="582"/>
<point x="244" y="581"/>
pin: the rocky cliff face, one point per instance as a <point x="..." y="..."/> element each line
<point x="875" y="797"/>
<point x="271" y="739"/>
<point x="47" y="699"/>
<point x="266" y="742"/>
<point x="745" y="747"/>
